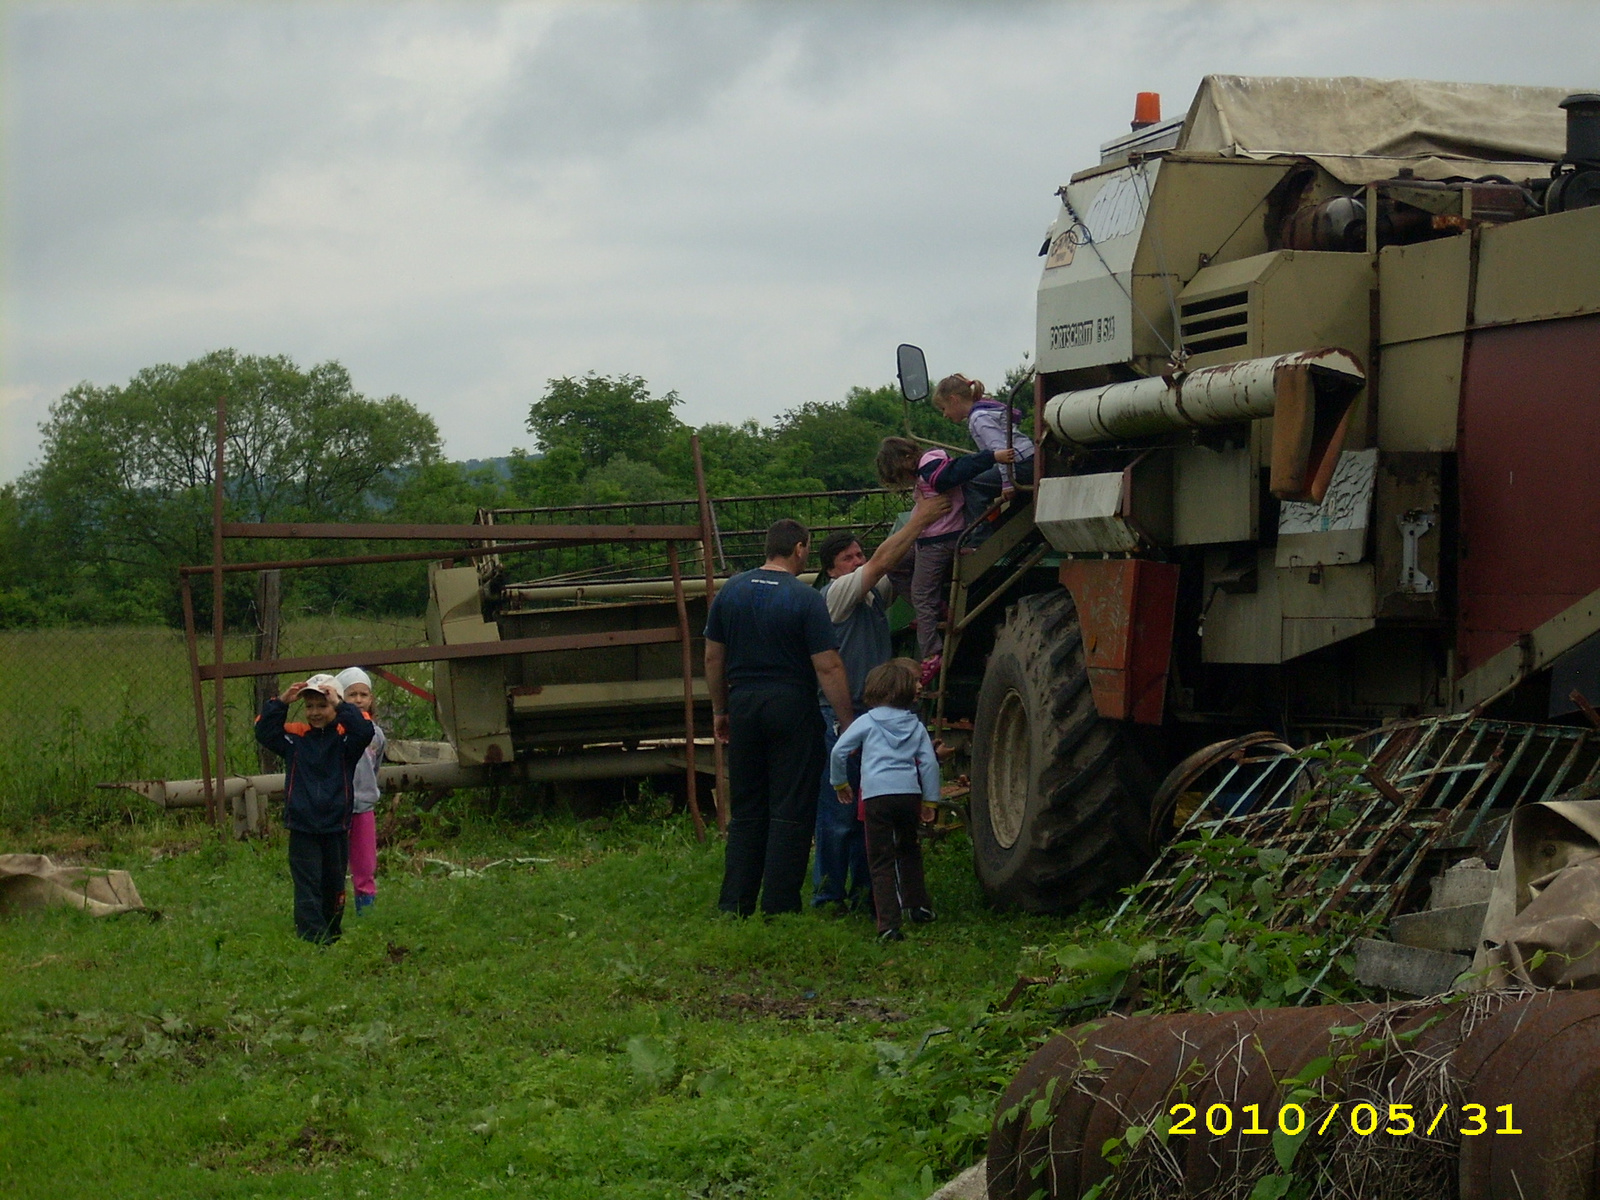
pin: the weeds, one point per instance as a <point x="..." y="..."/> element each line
<point x="573" y="1021"/>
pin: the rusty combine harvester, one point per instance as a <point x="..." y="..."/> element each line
<point x="1318" y="416"/>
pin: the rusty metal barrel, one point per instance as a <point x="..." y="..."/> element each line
<point x="1489" y="1096"/>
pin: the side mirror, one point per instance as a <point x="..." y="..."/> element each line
<point x="912" y="369"/>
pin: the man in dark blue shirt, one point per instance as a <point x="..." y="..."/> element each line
<point x="769" y="646"/>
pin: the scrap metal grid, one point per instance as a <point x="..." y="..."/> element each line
<point x="1359" y="840"/>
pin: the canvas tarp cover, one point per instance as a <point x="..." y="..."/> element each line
<point x="29" y="881"/>
<point x="1543" y="924"/>
<point x="1361" y="130"/>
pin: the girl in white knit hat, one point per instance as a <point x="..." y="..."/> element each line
<point x="357" y="688"/>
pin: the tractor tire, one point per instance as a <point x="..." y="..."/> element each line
<point x="1060" y="804"/>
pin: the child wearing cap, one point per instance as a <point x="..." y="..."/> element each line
<point x="319" y="757"/>
<point x="357" y="687"/>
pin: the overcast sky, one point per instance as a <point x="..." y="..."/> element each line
<point x="748" y="203"/>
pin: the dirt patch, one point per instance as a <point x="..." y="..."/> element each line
<point x="745" y="1006"/>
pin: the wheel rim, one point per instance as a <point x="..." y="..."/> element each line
<point x="1010" y="769"/>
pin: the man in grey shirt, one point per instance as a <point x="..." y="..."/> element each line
<point x="858" y="593"/>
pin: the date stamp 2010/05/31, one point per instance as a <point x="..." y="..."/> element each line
<point x="1365" y="1120"/>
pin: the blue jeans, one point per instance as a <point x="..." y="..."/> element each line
<point x="839" y="871"/>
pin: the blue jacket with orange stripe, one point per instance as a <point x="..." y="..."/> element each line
<point x="319" y="764"/>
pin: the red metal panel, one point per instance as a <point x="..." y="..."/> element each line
<point x="1529" y="454"/>
<point x="1125" y="611"/>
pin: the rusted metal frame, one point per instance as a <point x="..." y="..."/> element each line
<point x="708" y="539"/>
<point x="1588" y="710"/>
<point x="1296" y="769"/>
<point x="192" y="642"/>
<point x="1380" y="834"/>
<point x="1502" y="777"/>
<point x="1310" y="826"/>
<point x="624" y="504"/>
<point x="1566" y="768"/>
<point x="358" y="560"/>
<point x="619" y="571"/>
<point x="1421" y="747"/>
<point x="1428" y="775"/>
<point x="688" y="693"/>
<point x="400" y="681"/>
<point x="1305" y="839"/>
<point x="403" y="532"/>
<point x="217" y="613"/>
<point x="1169" y="860"/>
<point x="1429" y="831"/>
<point x="1028" y="564"/>
<point x="1342" y="844"/>
<point x="960" y="618"/>
<point x="414" y="654"/>
<point x="1593" y="775"/>
<point x="1457" y="772"/>
<point x="1295" y="774"/>
<point x="1532" y="781"/>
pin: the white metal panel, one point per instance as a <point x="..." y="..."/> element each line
<point x="1335" y="531"/>
<point x="1081" y="514"/>
<point x="1213" y="495"/>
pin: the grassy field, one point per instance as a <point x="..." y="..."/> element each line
<point x="580" y="1027"/>
<point x="87" y="706"/>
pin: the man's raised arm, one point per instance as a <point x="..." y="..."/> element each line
<point x="898" y="544"/>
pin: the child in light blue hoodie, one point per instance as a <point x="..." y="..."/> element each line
<point x="898" y="773"/>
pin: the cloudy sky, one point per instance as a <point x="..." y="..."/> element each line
<point x="750" y="203"/>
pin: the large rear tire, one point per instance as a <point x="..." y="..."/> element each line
<point x="1060" y="795"/>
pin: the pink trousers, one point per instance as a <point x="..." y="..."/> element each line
<point x="364" y="853"/>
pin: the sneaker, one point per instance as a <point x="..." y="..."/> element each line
<point x="921" y="916"/>
<point x="364" y="904"/>
<point x="891" y="935"/>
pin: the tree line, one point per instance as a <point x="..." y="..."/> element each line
<point x="121" y="495"/>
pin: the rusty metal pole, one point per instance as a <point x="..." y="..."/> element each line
<point x="688" y="691"/>
<point x="191" y="639"/>
<point x="706" y="547"/>
<point x="269" y="607"/>
<point x="216" y="605"/>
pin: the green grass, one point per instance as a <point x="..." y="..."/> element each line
<point x="581" y="1028"/>
<point x="90" y="706"/>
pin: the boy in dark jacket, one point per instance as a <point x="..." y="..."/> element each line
<point x="319" y="758"/>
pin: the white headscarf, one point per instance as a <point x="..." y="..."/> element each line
<point x="352" y="675"/>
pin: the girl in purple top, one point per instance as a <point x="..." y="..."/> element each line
<point x="987" y="419"/>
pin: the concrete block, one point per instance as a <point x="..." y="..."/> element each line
<point x="1468" y="882"/>
<point x="1455" y="928"/>
<point x="971" y="1184"/>
<point x="1408" y="969"/>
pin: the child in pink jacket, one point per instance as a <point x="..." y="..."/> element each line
<point x="904" y="464"/>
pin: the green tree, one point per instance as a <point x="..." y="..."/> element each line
<point x="598" y="417"/>
<point x="124" y="486"/>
